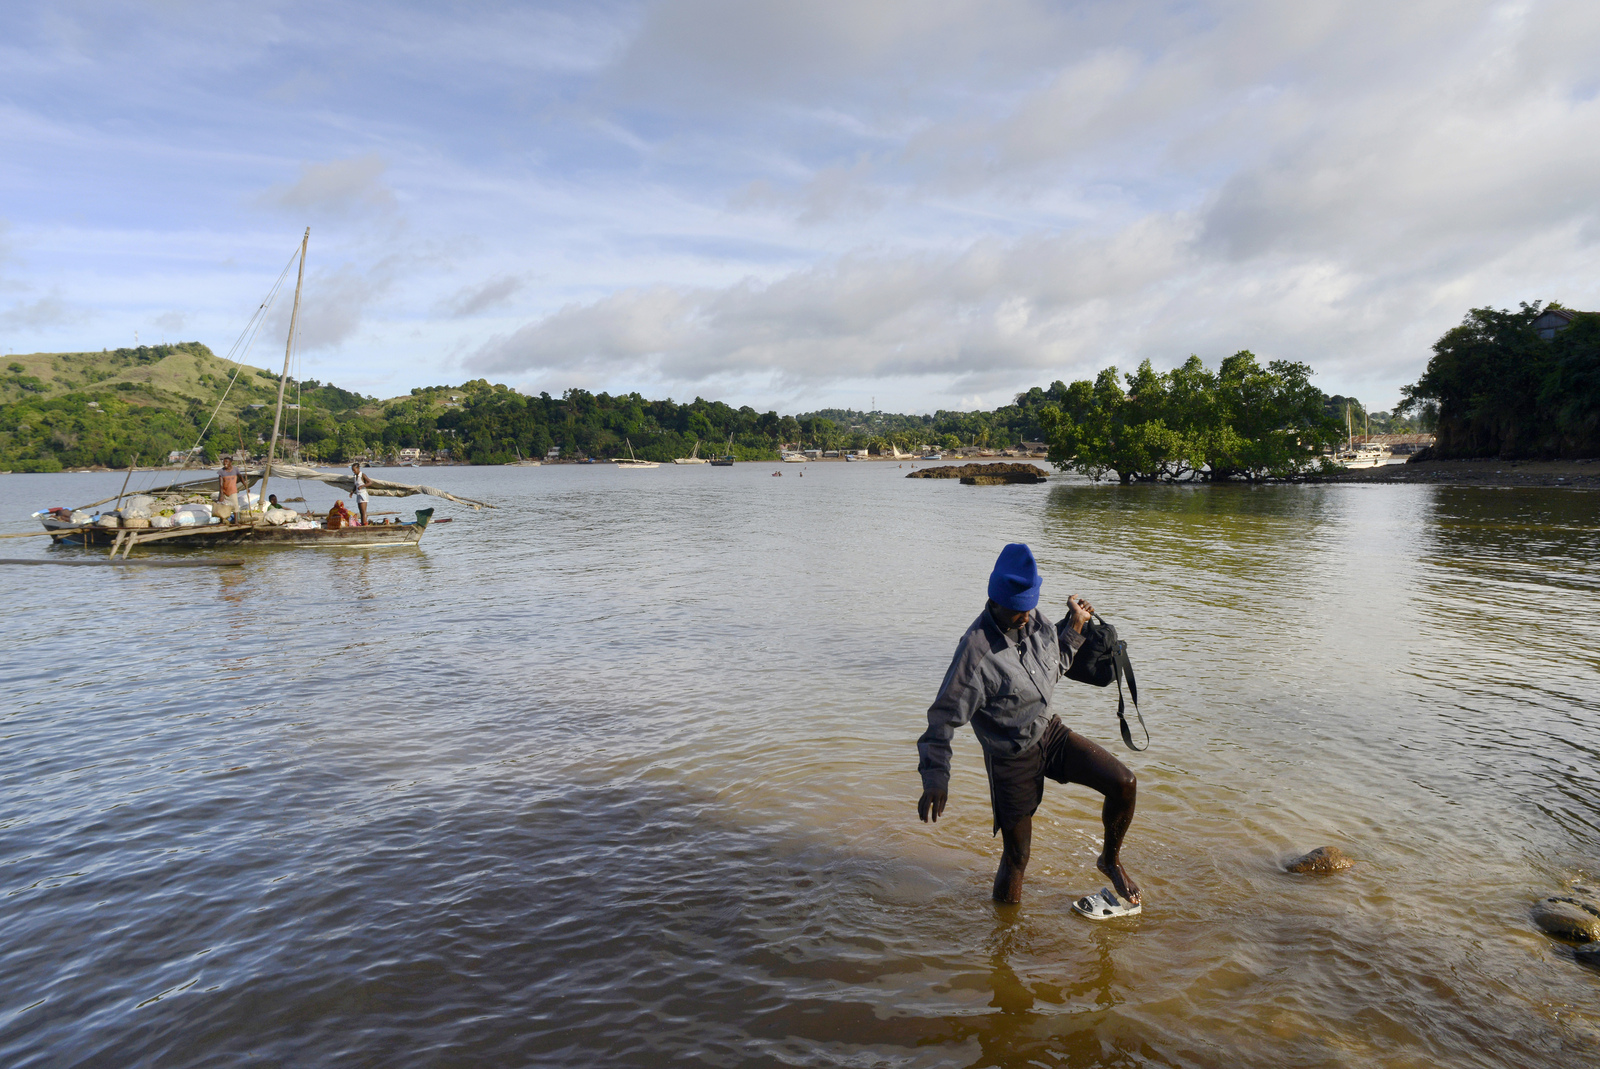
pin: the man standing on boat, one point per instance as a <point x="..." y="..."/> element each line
<point x="1001" y="680"/>
<point x="361" y="484"/>
<point x="227" y="490"/>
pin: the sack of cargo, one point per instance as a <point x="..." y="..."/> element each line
<point x="163" y="521"/>
<point x="136" y="522"/>
<point x="109" y="519"/>
<point x="79" y="516"/>
<point x="140" y="502"/>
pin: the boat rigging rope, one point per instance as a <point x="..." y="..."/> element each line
<point x="247" y="339"/>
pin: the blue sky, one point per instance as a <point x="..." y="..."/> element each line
<point x="932" y="204"/>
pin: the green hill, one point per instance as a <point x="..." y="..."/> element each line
<point x="103" y="408"/>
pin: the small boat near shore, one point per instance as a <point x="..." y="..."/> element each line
<point x="694" y="456"/>
<point x="633" y="461"/>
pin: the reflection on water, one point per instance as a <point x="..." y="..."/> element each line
<point x="623" y="773"/>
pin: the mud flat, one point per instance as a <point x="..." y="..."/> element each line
<point x="1583" y="474"/>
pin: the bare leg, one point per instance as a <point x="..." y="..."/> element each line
<point x="1018" y="840"/>
<point x="1117" y="814"/>
<point x="1076" y="759"/>
<point x="363" y="506"/>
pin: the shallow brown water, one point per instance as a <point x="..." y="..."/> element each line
<point x="623" y="774"/>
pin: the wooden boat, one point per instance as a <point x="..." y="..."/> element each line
<point x="123" y="540"/>
<point x="255" y="530"/>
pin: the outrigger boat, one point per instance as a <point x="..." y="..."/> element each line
<point x="67" y="528"/>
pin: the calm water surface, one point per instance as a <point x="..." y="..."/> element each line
<point x="622" y="773"/>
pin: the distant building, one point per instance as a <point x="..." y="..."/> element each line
<point x="1033" y="447"/>
<point x="1554" y="320"/>
<point x="410" y="454"/>
<point x="553" y="453"/>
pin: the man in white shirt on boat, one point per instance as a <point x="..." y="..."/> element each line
<point x="361" y="484"/>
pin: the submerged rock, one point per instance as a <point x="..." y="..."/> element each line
<point x="1321" y="862"/>
<point x="1568" y="918"/>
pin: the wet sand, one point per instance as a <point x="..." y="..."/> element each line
<point x="1582" y="474"/>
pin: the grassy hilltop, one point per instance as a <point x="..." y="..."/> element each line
<point x="102" y="408"/>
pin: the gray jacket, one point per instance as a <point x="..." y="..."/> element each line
<point x="1000" y="681"/>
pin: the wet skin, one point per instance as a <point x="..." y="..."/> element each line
<point x="1120" y="791"/>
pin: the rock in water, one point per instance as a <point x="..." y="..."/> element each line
<point x="1321" y="862"/>
<point x="1589" y="956"/>
<point x="1568" y="918"/>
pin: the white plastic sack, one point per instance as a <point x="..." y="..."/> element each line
<point x="163" y="521"/>
<point x="140" y="502"/>
<point x="79" y="516"/>
<point x="110" y="519"/>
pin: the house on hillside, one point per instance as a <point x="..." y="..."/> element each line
<point x="1554" y="320"/>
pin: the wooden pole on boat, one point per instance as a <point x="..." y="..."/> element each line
<point x="125" y="479"/>
<point x="283" y="380"/>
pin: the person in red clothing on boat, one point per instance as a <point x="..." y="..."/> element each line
<point x="338" y="516"/>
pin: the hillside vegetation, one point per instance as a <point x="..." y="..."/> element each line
<point x="71" y="410"/>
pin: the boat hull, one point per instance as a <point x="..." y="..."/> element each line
<point x="380" y="534"/>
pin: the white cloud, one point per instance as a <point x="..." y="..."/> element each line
<point x="44" y="312"/>
<point x="490" y="293"/>
<point x="338" y="187"/>
<point x="942" y="198"/>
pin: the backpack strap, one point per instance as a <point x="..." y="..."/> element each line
<point x="1121" y="664"/>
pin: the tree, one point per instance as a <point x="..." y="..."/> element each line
<point x="1502" y="390"/>
<point x="1242" y="422"/>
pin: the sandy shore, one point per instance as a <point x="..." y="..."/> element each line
<point x="1582" y="474"/>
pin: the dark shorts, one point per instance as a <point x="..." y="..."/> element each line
<point x="1016" y="784"/>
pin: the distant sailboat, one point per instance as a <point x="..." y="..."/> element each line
<point x="634" y="462"/>
<point x="694" y="456"/>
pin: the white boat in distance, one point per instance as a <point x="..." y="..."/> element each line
<point x="1370" y="455"/>
<point x="694" y="456"/>
<point x="794" y="458"/>
<point x="633" y="461"/>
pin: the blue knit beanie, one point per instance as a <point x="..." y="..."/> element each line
<point x="1014" y="584"/>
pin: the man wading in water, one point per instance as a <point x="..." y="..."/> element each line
<point x="1001" y="679"/>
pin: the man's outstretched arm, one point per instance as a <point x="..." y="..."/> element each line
<point x="960" y="695"/>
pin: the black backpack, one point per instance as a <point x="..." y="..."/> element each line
<point x="1101" y="659"/>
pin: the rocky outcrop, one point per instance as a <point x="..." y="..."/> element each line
<point x="984" y="474"/>
<point x="1566" y="917"/>
<point x="1322" y="861"/>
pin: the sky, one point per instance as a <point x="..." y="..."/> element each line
<point x="892" y="204"/>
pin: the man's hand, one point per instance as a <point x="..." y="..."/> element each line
<point x="931" y="805"/>
<point x="1080" y="613"/>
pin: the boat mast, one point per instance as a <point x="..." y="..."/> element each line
<point x="283" y="380"/>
